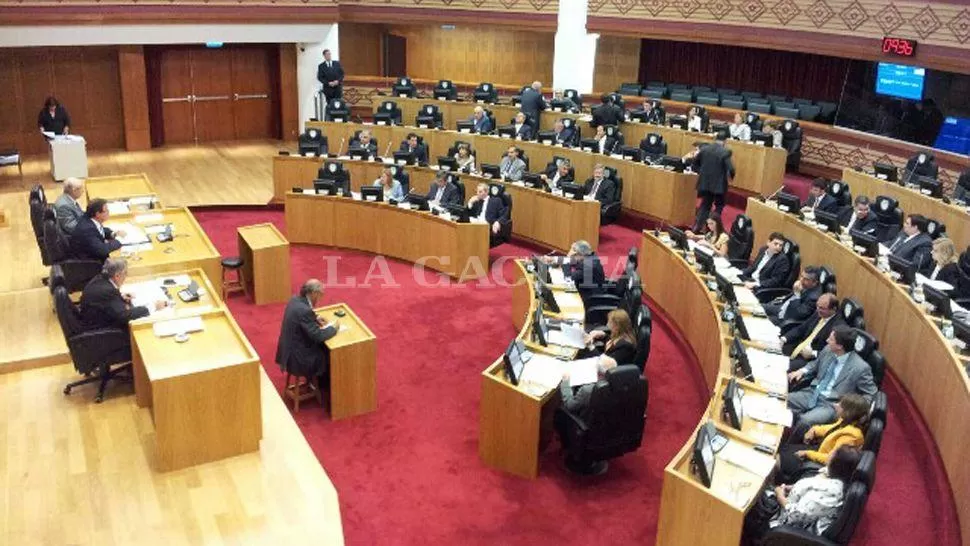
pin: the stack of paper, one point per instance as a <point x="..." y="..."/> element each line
<point x="923" y="280"/>
<point x="144" y="202"/>
<point x="762" y="330"/>
<point x="568" y="336"/>
<point x="769" y="370"/>
<point x="145" y="294"/>
<point x="543" y="371"/>
<point x="179" y="326"/>
<point x="746" y="298"/>
<point x="766" y="410"/>
<point x="133" y="235"/>
<point x="760" y="464"/>
<point x="557" y="276"/>
<point x="583" y="371"/>
<point x="117" y="207"/>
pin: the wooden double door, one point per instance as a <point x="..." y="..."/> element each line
<point x="227" y="93"/>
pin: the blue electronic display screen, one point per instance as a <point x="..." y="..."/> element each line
<point x="900" y="80"/>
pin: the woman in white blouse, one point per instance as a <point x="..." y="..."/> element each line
<point x="466" y="161"/>
<point x="739" y="129"/>
<point x="814" y="503"/>
<point x="694" y="120"/>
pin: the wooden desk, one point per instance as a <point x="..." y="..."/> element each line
<point x="916" y="352"/>
<point x="266" y="263"/>
<point x="204" y="393"/>
<point x="452" y="112"/>
<point x="120" y="188"/>
<point x="457" y="250"/>
<point x="191" y="247"/>
<point x="913" y="202"/>
<point x="353" y="364"/>
<point x="514" y="425"/>
<point x="208" y="297"/>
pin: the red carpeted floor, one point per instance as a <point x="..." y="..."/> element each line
<point x="410" y="473"/>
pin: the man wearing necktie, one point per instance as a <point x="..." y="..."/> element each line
<point x="91" y="240"/>
<point x="67" y="209"/>
<point x="331" y="75"/>
<point x="819" y="199"/>
<point x="836" y="372"/>
<point x="914" y="244"/>
<point x="599" y="187"/>
<point x="512" y="167"/>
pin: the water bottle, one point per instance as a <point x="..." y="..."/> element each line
<point x="947" y="328"/>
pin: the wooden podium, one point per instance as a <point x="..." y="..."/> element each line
<point x="353" y="363"/>
<point x="266" y="263"/>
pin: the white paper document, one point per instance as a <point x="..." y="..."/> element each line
<point x="557" y="276"/>
<point x="883" y="250"/>
<point x="923" y="280"/>
<point x="157" y="228"/>
<point x="746" y="298"/>
<point x="117" y="207"/>
<point x="583" y="371"/>
<point x="149" y="218"/>
<point x="133" y="235"/>
<point x="762" y="330"/>
<point x="173" y="327"/>
<point x="543" y="371"/>
<point x="568" y="336"/>
<point x="760" y="464"/>
<point x="769" y="370"/>
<point x="144" y="294"/>
<point x="766" y="410"/>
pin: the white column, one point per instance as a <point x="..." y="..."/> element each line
<point x="308" y="56"/>
<point x="572" y="66"/>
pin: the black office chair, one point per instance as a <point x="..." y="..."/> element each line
<point x="338" y="111"/>
<point x="486" y="93"/>
<point x="313" y="141"/>
<point x="610" y="212"/>
<point x="404" y="87"/>
<point x="653" y="146"/>
<point x="644" y="329"/>
<point x="38" y="207"/>
<point x="791" y="141"/>
<point x="429" y="117"/>
<point x="77" y="272"/>
<point x="842" y="194"/>
<point x="865" y="470"/>
<point x="740" y="241"/>
<point x="630" y="88"/>
<point x="827" y="280"/>
<point x="633" y="257"/>
<point x="453" y="149"/>
<point x="401" y="175"/>
<point x="839" y="533"/>
<point x="873" y="438"/>
<point x="387" y="114"/>
<point x="852" y="313"/>
<point x="567" y="123"/>
<point x="455" y="180"/>
<point x="754" y="121"/>
<point x="935" y="228"/>
<point x="355" y="140"/>
<point x="889" y="216"/>
<point x="445" y="89"/>
<point x="791" y="251"/>
<point x="100" y="355"/>
<point x="880" y="407"/>
<point x="612" y="425"/>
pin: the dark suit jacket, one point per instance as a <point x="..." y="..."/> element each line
<point x="300" y="350"/>
<point x="324" y="75"/>
<point x="606" y="193"/>
<point x="828" y="204"/>
<point x="651" y="149"/>
<point x="483" y="125"/>
<point x="802" y="306"/>
<point x="420" y="153"/>
<point x="657" y="115"/>
<point x="622" y="352"/>
<point x="371" y="148"/>
<point x="567" y="136"/>
<point x="714" y="166"/>
<point x="916" y="250"/>
<point x="606" y="114"/>
<point x="867" y="225"/>
<point x="87" y="242"/>
<point x="588" y="275"/>
<point x="449" y="197"/>
<point x="494" y="212"/>
<point x="799" y="333"/>
<point x="102" y="306"/>
<point x="54" y="124"/>
<point x="532" y="103"/>
<point x="610" y="146"/>
<point x="525" y="132"/>
<point x="949" y="274"/>
<point x="774" y="273"/>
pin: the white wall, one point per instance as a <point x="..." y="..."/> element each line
<point x="308" y="56"/>
<point x="575" y="57"/>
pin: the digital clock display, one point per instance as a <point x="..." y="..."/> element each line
<point x="902" y="47"/>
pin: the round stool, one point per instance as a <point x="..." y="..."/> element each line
<point x="232" y="283"/>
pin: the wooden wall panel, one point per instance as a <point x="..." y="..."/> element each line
<point x="85" y="79"/>
<point x="617" y="61"/>
<point x="134" y="96"/>
<point x="360" y="48"/>
<point x="289" y="96"/>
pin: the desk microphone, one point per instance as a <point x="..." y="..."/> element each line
<point x="909" y="176"/>
<point x="657" y="230"/>
<point x="615" y="144"/>
<point x="388" y="150"/>
<point x="341" y="147"/>
<point x="773" y="194"/>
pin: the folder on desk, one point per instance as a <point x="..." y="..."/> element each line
<point x="542" y="371"/>
<point x="134" y="235"/>
<point x="583" y="371"/>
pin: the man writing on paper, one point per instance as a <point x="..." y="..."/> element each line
<point x="102" y="303"/>
<point x="91" y="240"/>
<point x="331" y="75"/>
<point x="67" y="210"/>
<point x="300" y="350"/>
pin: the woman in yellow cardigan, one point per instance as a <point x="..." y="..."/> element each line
<point x="796" y="460"/>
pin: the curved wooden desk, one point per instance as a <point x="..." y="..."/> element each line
<point x="917" y="353"/>
<point x="647" y="191"/>
<point x="540" y="217"/>
<point x="121" y="188"/>
<point x="457" y="250"/>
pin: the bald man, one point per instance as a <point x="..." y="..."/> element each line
<point x="300" y="350"/>
<point x="532" y="103"/>
<point x="67" y="209"/>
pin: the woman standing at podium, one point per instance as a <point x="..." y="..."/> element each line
<point x="53" y="118"/>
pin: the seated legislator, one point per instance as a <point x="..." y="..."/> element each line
<point x="412" y="146"/>
<point x="771" y="267"/>
<point x="621" y="342"/>
<point x="809" y="453"/>
<point x="945" y="263"/>
<point x="91" y="240"/>
<point x="655" y="115"/>
<point x="800" y="305"/>
<point x="558" y="175"/>
<point x="803" y="342"/>
<point x="914" y="244"/>
<point x="777" y="137"/>
<point x="465" y="159"/>
<point x="102" y="303"/>
<point x="739" y="130"/>
<point x="860" y="218"/>
<point x="921" y="164"/>
<point x="487" y="209"/>
<point x="442" y="192"/>
<point x="67" y="210"/>
<point x="819" y="199"/>
<point x="365" y="142"/>
<point x="300" y="350"/>
<point x="564" y="135"/>
<point x="694" y="120"/>
<point x="599" y="187"/>
<point x="558" y="98"/>
<point x="583" y="267"/>
<point x="605" y="144"/>
<point x="512" y="167"/>
<point x="961" y="190"/>
<point x="483" y="125"/>
<point x="607" y="113"/>
<point x="836" y="371"/>
<point x="392" y="188"/>
<point x="53" y="118"/>
<point x="714" y="236"/>
<point x="523" y="131"/>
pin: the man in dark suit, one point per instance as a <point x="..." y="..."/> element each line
<point x="914" y="244"/>
<point x="800" y="304"/>
<point x="652" y="112"/>
<point x="488" y="209"/>
<point x="715" y="170"/>
<point x="837" y="371"/>
<point x="557" y="174"/>
<point x="91" y="240"/>
<point x="531" y="103"/>
<point x="67" y="210"/>
<point x="300" y="350"/>
<point x="331" y="75"/>
<point x="583" y="266"/>
<point x="771" y="267"/>
<point x="102" y="303"/>
<point x="442" y="192"/>
<point x="523" y="131"/>
<point x="607" y="113"/>
<point x="412" y="146"/>
<point x="803" y="342"/>
<point x="364" y="141"/>
<point x="819" y="198"/>
<point x="564" y="135"/>
<point x="859" y="217"/>
<point x="599" y="187"/>
<point x="483" y="125"/>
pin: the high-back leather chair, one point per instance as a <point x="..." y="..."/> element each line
<point x="840" y="191"/>
<point x="610" y="212"/>
<point x="890" y="217"/>
<point x="880" y="407"/>
<point x="873" y="439"/>
<point x="77" y="272"/>
<point x="935" y="228"/>
<point x="633" y="257"/>
<point x="840" y="532"/>
<point x="653" y="145"/>
<point x="429" y="116"/>
<point x="38" y="208"/>
<point x="95" y="353"/>
<point x="852" y="313"/>
<point x="445" y="89"/>
<point x="404" y="87"/>
<point x="313" y="141"/>
<point x="644" y="329"/>
<point x="791" y="251"/>
<point x="613" y="423"/>
<point x="791" y="141"/>
<point x="355" y="140"/>
<point x="570" y="122"/>
<point x="827" y="280"/>
<point x="389" y="113"/>
<point x="401" y="175"/>
<point x="865" y="470"/>
<point x="486" y="93"/>
<point x="753" y="119"/>
<point x="337" y="110"/>
<point x="505" y="222"/>
<point x="740" y="241"/>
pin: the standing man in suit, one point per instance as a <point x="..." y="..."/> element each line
<point x="599" y="187"/>
<point x="801" y="303"/>
<point x="442" y="192"/>
<point x="836" y="372"/>
<point x="91" y="240"/>
<point x="564" y="135"/>
<point x="483" y="125"/>
<point x="771" y="267"/>
<point x="819" y="198"/>
<point x="412" y="146"/>
<point x="512" y="167"/>
<point x="487" y="209"/>
<point x="607" y="113"/>
<point x="914" y="244"/>
<point x="803" y="342"/>
<point x="860" y="219"/>
<point x="523" y="131"/>
<point x="715" y="170"/>
<point x="557" y="175"/>
<point x="300" y="350"/>
<point x="67" y="210"/>
<point x="102" y="303"/>
<point x="532" y="103"/>
<point x="331" y="75"/>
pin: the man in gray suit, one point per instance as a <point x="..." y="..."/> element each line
<point x="66" y="209"/>
<point x="837" y="371"/>
<point x="300" y="350"/>
<point x="512" y="167"/>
